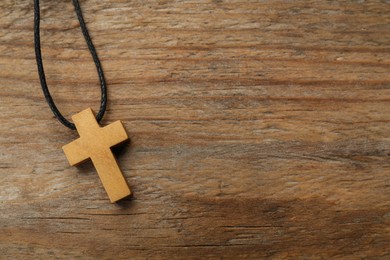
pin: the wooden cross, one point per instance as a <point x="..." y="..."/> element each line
<point x="95" y="143"/>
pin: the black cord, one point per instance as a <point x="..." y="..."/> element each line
<point x="41" y="72"/>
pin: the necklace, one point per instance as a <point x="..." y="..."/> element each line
<point x="95" y="142"/>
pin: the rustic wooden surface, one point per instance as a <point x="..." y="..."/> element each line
<point x="258" y="129"/>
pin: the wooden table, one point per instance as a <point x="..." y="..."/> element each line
<point x="258" y="129"/>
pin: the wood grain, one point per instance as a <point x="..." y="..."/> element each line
<point x="259" y="129"/>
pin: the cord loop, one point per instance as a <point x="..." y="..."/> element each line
<point x="41" y="72"/>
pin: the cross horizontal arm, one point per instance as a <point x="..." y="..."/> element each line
<point x="76" y="152"/>
<point x="115" y="133"/>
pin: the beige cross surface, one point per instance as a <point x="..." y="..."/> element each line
<point x="95" y="143"/>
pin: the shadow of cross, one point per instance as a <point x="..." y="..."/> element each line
<point x="95" y="143"/>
